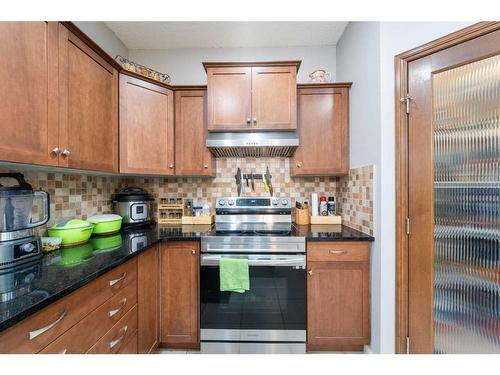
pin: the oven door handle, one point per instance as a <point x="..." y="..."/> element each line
<point x="272" y="261"/>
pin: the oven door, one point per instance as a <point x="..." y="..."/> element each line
<point x="273" y="310"/>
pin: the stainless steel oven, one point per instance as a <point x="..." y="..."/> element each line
<point x="271" y="316"/>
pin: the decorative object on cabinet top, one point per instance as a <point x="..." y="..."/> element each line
<point x="320" y="76"/>
<point x="142" y="70"/>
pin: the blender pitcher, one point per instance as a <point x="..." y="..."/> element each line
<point x="16" y="204"/>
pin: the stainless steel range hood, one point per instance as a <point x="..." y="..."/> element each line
<point x="262" y="144"/>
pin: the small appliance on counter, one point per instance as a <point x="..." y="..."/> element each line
<point x="18" y="244"/>
<point x="134" y="205"/>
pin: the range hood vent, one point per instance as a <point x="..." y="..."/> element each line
<point x="252" y="145"/>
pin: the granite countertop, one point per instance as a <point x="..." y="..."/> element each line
<point x="61" y="272"/>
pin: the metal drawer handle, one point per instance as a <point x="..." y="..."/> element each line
<point x="113" y="282"/>
<point x="123" y="302"/>
<point x="338" y="251"/>
<point x="310" y="272"/>
<point x="39" y="331"/>
<point x="113" y="343"/>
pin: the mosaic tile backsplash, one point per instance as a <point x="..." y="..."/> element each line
<point x="79" y="195"/>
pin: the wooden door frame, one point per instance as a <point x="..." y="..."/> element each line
<point x="401" y="88"/>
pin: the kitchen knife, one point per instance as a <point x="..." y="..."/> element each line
<point x="238" y="181"/>
<point x="268" y="181"/>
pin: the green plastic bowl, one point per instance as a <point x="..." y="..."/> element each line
<point x="73" y="232"/>
<point x="72" y="256"/>
<point x="102" y="244"/>
<point x="106" y="224"/>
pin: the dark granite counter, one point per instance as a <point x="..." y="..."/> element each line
<point x="38" y="284"/>
<point x="330" y="233"/>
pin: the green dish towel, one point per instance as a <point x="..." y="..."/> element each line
<point x="234" y="275"/>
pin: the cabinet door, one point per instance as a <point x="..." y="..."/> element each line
<point x="323" y="128"/>
<point x="229" y="98"/>
<point x="146" y="127"/>
<point x="338" y="305"/>
<point x="179" y="317"/>
<point x="148" y="295"/>
<point x="88" y="106"/>
<point x="192" y="158"/>
<point x="274" y="98"/>
<point x="28" y="76"/>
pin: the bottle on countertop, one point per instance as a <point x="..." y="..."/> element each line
<point x="331" y="206"/>
<point x="323" y="206"/>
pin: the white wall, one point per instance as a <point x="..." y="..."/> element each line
<point x="104" y="37"/>
<point x="184" y="65"/>
<point x="358" y="61"/>
<point x="376" y="146"/>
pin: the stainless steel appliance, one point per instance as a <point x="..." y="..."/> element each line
<point x="271" y="316"/>
<point x="134" y="205"/>
<point x="18" y="244"/>
<point x="253" y="144"/>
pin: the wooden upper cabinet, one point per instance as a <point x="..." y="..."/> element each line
<point x="252" y="96"/>
<point x="28" y="76"/>
<point x="88" y="106"/>
<point x="192" y="157"/>
<point x="229" y="98"/>
<point x="179" y="288"/>
<point x="274" y="98"/>
<point x="146" y="127"/>
<point x="338" y="296"/>
<point x="323" y="127"/>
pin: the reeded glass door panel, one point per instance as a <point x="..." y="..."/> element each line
<point x="466" y="111"/>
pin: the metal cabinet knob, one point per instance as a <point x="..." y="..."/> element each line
<point x="66" y="153"/>
<point x="171" y="166"/>
<point x="248" y="120"/>
<point x="255" y="120"/>
<point x="56" y="151"/>
<point x="205" y="166"/>
<point x="299" y="165"/>
<point x="310" y="272"/>
<point x="193" y="252"/>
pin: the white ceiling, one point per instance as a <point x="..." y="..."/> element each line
<point x="168" y="35"/>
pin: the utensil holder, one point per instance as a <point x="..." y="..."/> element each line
<point x="302" y="216"/>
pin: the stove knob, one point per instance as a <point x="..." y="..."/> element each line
<point x="275" y="202"/>
<point x="284" y="202"/>
<point x="230" y="202"/>
<point x="222" y="202"/>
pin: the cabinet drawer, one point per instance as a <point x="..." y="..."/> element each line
<point x="36" y="332"/>
<point x="130" y="347"/>
<point x="87" y="332"/>
<point x="117" y="337"/>
<point x="338" y="251"/>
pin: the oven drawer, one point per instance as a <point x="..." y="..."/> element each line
<point x="338" y="251"/>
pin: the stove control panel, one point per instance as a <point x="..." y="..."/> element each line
<point x="241" y="203"/>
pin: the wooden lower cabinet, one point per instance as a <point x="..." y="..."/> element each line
<point x="148" y="296"/>
<point x="179" y="302"/>
<point x="338" y="296"/>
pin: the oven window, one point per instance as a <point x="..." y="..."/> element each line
<point x="276" y="300"/>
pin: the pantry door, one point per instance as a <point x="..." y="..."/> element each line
<point x="453" y="202"/>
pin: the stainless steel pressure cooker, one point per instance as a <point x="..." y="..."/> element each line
<point x="134" y="205"/>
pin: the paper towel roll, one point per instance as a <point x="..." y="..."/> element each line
<point x="314" y="204"/>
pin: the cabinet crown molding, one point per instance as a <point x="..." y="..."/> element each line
<point x="225" y="64"/>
